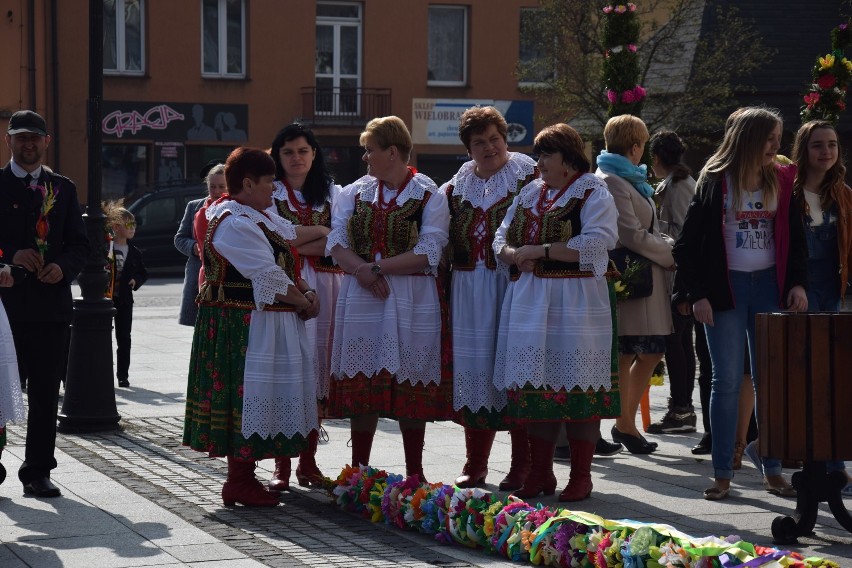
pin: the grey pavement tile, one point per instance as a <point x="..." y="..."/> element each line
<point x="9" y="560"/>
<point x="118" y="551"/>
<point x="233" y="563"/>
<point x="203" y="552"/>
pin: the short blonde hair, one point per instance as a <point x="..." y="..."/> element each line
<point x="623" y="131"/>
<point x="388" y="131"/>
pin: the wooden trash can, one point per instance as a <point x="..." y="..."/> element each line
<point x="804" y="370"/>
<point x="804" y="406"/>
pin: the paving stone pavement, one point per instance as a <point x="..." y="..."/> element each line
<point x="136" y="497"/>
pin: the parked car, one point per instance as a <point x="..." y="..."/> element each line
<point x="158" y="214"/>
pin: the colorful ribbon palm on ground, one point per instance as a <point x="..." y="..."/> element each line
<point x="522" y="532"/>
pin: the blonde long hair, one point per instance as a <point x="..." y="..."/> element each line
<point x="741" y="151"/>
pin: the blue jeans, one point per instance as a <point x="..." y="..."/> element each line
<point x="754" y="293"/>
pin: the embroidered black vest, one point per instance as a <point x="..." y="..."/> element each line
<point x="225" y="287"/>
<point x="464" y="222"/>
<point x="400" y="223"/>
<point x="557" y="225"/>
<point x="321" y="218"/>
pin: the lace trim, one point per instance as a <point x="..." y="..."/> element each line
<point x="266" y="285"/>
<point x="11" y="402"/>
<point x="430" y="246"/>
<point x="276" y="224"/>
<point x="554" y="368"/>
<point x="593" y="254"/>
<point x="475" y="390"/>
<point x="530" y="194"/>
<point x="367" y="188"/>
<point x="269" y="417"/>
<point x="483" y="193"/>
<point x="280" y="194"/>
<point x="369" y="355"/>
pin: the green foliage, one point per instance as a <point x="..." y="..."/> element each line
<point x="826" y="97"/>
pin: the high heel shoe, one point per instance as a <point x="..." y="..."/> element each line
<point x="634" y="444"/>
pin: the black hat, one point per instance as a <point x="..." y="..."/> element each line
<point x="205" y="169"/>
<point x="27" y="121"/>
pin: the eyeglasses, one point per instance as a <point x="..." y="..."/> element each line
<point x="130" y="224"/>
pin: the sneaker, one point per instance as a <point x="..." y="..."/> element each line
<point x="606" y="449"/>
<point x="752" y="454"/>
<point x="562" y="454"/>
<point x="678" y="420"/>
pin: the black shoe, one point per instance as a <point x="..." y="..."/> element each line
<point x="2" y="474"/>
<point x="678" y="420"/>
<point x="704" y="447"/>
<point x="606" y="449"/>
<point x="123" y="382"/>
<point x="41" y="487"/>
<point x="634" y="444"/>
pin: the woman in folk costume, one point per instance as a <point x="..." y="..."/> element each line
<point x="11" y="401"/>
<point x="478" y="196"/>
<point x="389" y="230"/>
<point x="252" y="389"/>
<point x="303" y="195"/>
<point x="555" y="343"/>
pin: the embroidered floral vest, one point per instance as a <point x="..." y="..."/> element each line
<point x="225" y="287"/>
<point x="322" y="218"/>
<point x="557" y="225"/>
<point x="465" y="244"/>
<point x="401" y="224"/>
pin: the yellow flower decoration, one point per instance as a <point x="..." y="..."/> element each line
<point x="846" y="63"/>
<point x="826" y="62"/>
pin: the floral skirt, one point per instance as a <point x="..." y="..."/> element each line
<point x="214" y="394"/>
<point x="381" y="394"/>
<point x="489" y="419"/>
<point x="531" y="404"/>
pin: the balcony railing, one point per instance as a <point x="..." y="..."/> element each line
<point x="343" y="106"/>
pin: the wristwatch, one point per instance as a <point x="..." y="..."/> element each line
<point x="376" y="269"/>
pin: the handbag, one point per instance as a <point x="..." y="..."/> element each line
<point x="637" y="278"/>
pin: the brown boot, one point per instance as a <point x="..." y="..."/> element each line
<point x="281" y="476"/>
<point x="580" y="482"/>
<point x="478" y="445"/>
<point x="412" y="445"/>
<point x="540" y="478"/>
<point x="362" y="445"/>
<point x="520" y="460"/>
<point x="307" y="472"/>
<point x="244" y="488"/>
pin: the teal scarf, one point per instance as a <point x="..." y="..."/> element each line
<point x="617" y="164"/>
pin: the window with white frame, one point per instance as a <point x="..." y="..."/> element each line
<point x="123" y="22"/>
<point x="223" y="38"/>
<point x="447" y="46"/>
<point x="338" y="58"/>
<point x="534" y="65"/>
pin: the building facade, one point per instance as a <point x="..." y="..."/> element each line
<point x="185" y="82"/>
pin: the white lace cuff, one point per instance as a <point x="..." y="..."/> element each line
<point x="339" y="236"/>
<point x="593" y="254"/>
<point x="267" y="284"/>
<point x="430" y="245"/>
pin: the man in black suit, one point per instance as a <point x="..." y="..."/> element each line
<point x="42" y="231"/>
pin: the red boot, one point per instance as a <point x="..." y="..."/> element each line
<point x="520" y="460"/>
<point x="478" y="445"/>
<point x="580" y="482"/>
<point x="281" y="476"/>
<point x="244" y="488"/>
<point x="362" y="444"/>
<point x="307" y="472"/>
<point x="540" y="478"/>
<point x="412" y="445"/>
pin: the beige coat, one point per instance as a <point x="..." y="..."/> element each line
<point x="651" y="315"/>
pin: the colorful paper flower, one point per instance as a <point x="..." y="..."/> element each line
<point x="826" y="62"/>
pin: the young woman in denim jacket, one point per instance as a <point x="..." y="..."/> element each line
<point x="742" y="251"/>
